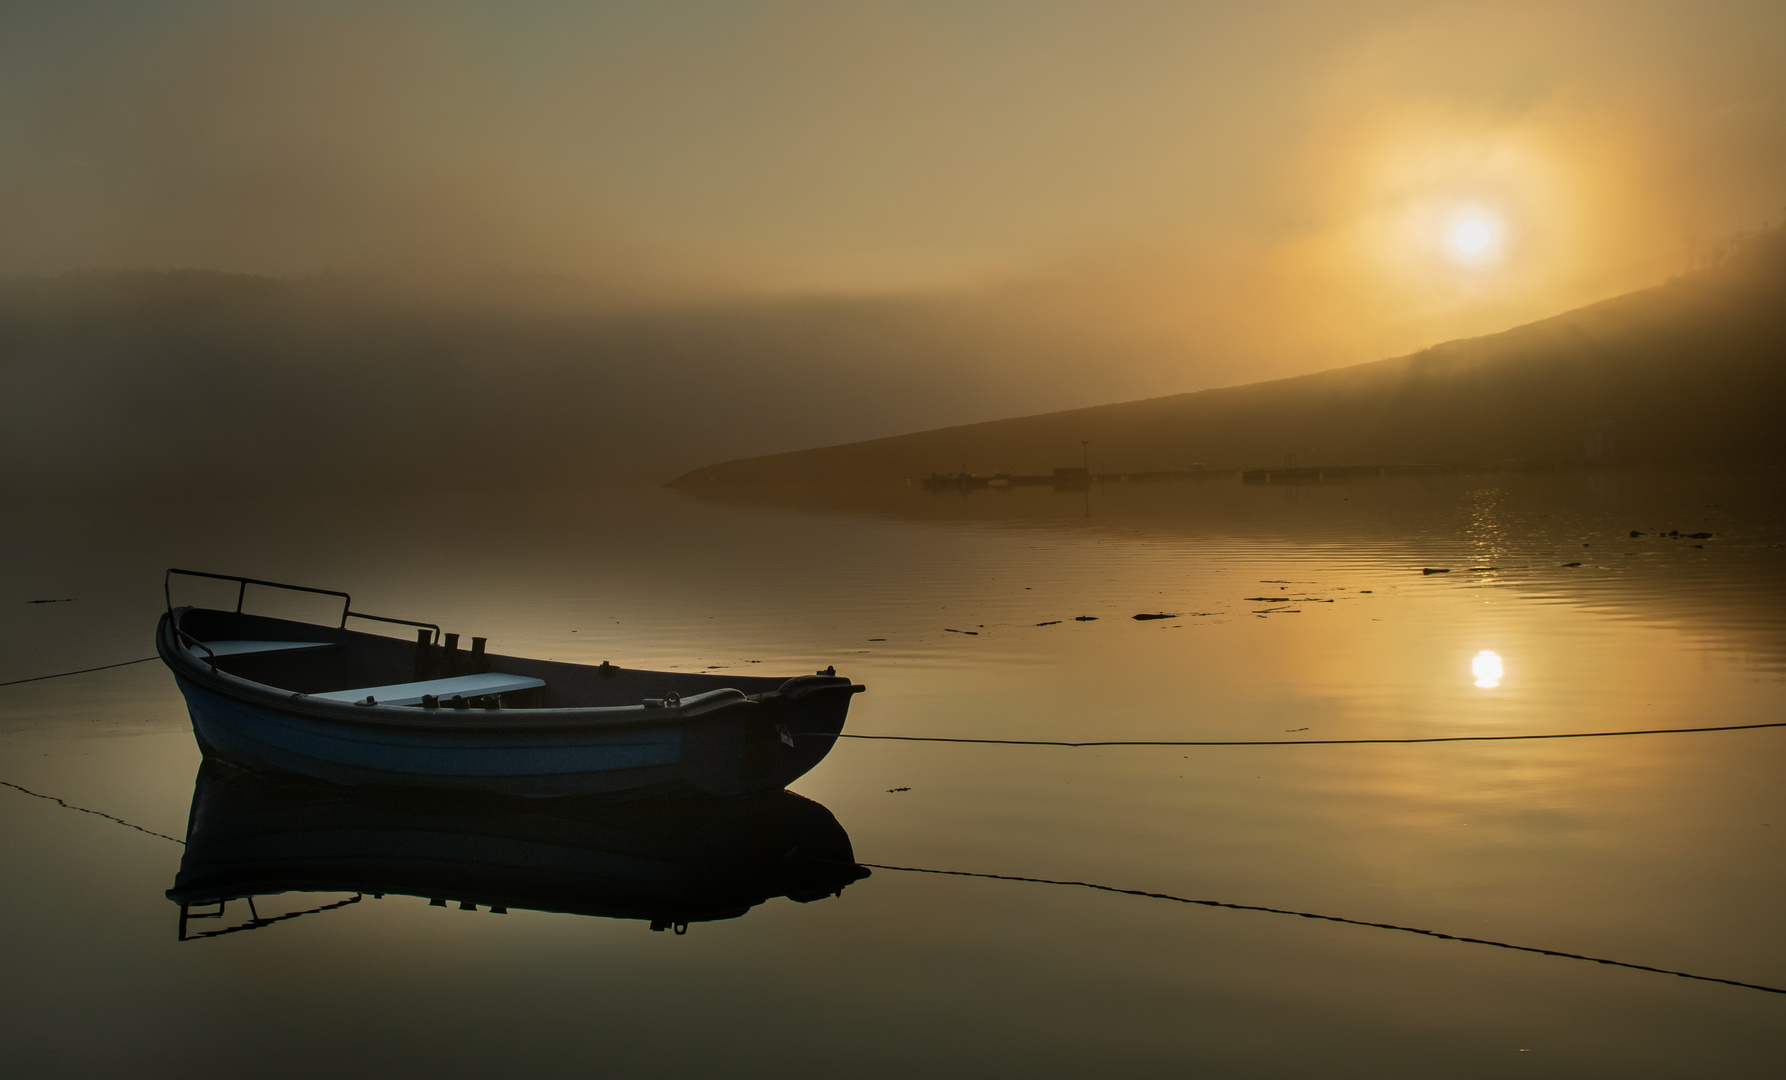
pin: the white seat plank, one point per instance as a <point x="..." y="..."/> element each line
<point x="240" y="648"/>
<point x="411" y="693"/>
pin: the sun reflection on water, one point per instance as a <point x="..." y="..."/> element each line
<point x="1486" y="666"/>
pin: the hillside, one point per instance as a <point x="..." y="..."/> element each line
<point x="1690" y="372"/>
<point x="209" y="383"/>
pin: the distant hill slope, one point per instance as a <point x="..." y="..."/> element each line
<point x="194" y="381"/>
<point x="1693" y="371"/>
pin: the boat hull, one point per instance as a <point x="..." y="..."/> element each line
<point x="720" y="743"/>
<point x="574" y="763"/>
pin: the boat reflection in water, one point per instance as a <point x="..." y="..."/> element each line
<point x="668" y="863"/>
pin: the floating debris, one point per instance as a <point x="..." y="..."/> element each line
<point x="895" y="790"/>
<point x="969" y="633"/>
<point x="1571" y="564"/>
<point x="871" y="639"/>
<point x="1054" y="622"/>
<point x="1145" y="616"/>
<point x="1435" y="570"/>
<point x="63" y="600"/>
<point x="1085" y="618"/>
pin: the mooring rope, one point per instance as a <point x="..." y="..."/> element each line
<point x="258" y="921"/>
<point x="1327" y="918"/>
<point x="1297" y="742"/>
<point x="1149" y="742"/>
<point x="81" y="671"/>
<point x="84" y="810"/>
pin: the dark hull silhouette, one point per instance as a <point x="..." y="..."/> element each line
<point x="361" y="709"/>
<point x="669" y="863"/>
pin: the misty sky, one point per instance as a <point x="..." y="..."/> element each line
<point x="1249" y="189"/>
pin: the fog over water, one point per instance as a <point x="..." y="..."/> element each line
<point x="116" y="382"/>
<point x="1301" y="612"/>
<point x="1209" y="195"/>
<point x="1463" y="763"/>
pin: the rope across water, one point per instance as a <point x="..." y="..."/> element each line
<point x="1298" y="742"/>
<point x="1152" y="742"/>
<point x="78" y="671"/>
<point x="1326" y="918"/>
<point x="259" y="922"/>
<point x="84" y="810"/>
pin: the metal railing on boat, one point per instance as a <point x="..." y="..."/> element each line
<point x="242" y="583"/>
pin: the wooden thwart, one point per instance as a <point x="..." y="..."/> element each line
<point x="242" y="648"/>
<point x="467" y="686"/>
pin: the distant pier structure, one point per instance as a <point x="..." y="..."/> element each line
<point x="1063" y="478"/>
<point x="1312" y="474"/>
<point x="1078" y="478"/>
<point x="1327" y="474"/>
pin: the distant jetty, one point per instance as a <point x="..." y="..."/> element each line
<point x="1060" y="478"/>
<point x="1324" y="474"/>
<point x="1288" y="474"/>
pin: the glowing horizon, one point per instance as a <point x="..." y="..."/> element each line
<point x="1240" y="196"/>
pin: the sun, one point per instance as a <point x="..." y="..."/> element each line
<point x="1473" y="238"/>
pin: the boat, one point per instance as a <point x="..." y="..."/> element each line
<point x="358" y="708"/>
<point x="668" y="863"/>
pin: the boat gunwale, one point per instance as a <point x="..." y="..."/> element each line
<point x="409" y="718"/>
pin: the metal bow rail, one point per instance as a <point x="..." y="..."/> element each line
<point x="242" y="583"/>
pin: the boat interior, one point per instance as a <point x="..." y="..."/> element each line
<point x="428" y="671"/>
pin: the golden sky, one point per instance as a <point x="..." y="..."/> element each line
<point x="1235" y="190"/>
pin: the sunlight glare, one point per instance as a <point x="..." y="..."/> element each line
<point x="1471" y="237"/>
<point x="1486" y="666"/>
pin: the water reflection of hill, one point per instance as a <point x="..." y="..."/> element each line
<point x="1515" y="531"/>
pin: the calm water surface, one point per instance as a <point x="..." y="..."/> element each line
<point x="1301" y="613"/>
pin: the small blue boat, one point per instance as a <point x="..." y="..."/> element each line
<point x="364" y="709"/>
